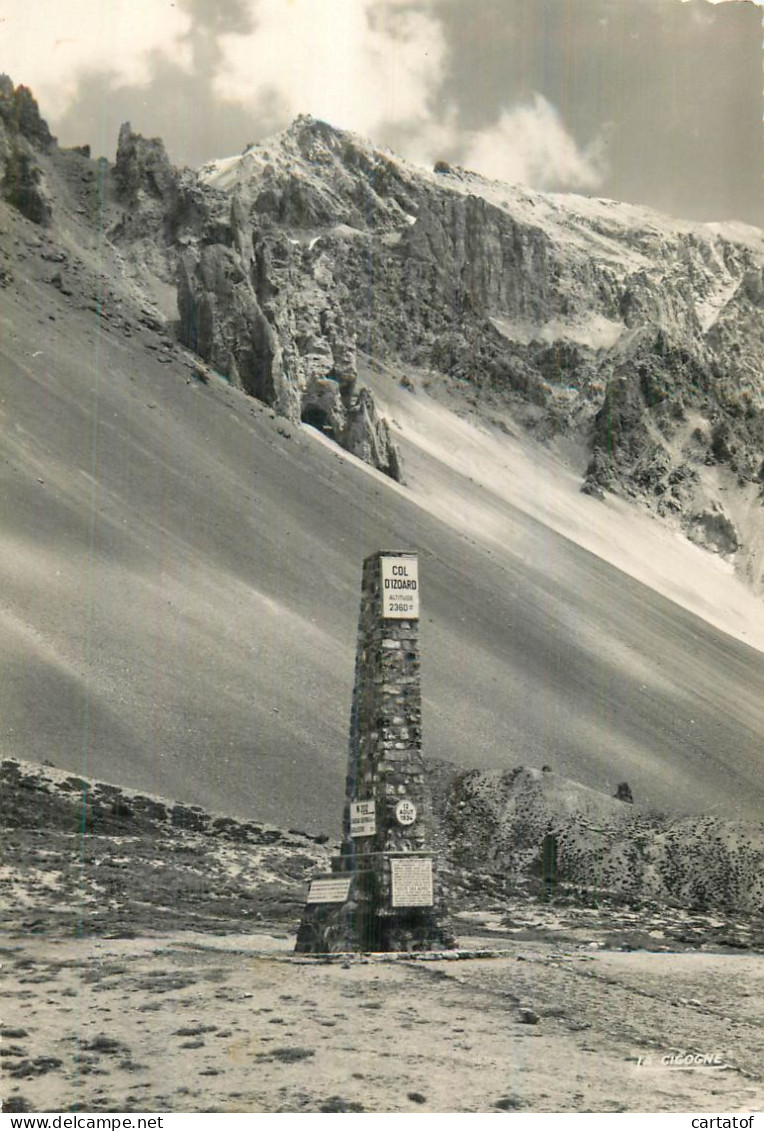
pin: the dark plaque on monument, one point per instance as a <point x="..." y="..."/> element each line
<point x="391" y="901"/>
<point x="329" y="889"/>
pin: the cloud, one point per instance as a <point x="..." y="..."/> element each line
<point x="213" y="75"/>
<point x="512" y="88"/>
<point x="357" y="64"/>
<point x="671" y="91"/>
<point x="176" y="105"/>
<point x="52" y="42"/>
<point x="424" y="140"/>
<point x="529" y="144"/>
<point x="209" y="20"/>
<point x="93" y="66"/>
<point x="217" y="16"/>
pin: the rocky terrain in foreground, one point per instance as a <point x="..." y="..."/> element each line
<point x="148" y="966"/>
<point x="188" y="1022"/>
<point x="630" y="340"/>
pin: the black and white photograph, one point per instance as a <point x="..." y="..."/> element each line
<point x="381" y="559"/>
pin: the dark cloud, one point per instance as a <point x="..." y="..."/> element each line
<point x="220" y="17"/>
<point x="672" y="90"/>
<point x="176" y="104"/>
<point x="211" y="19"/>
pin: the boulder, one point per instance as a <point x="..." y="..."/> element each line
<point x="714" y="530"/>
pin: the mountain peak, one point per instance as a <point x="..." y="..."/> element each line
<point x="314" y="175"/>
<point x="306" y="142"/>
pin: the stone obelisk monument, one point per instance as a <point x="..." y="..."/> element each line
<point x="381" y="893"/>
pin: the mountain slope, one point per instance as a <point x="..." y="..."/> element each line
<point x="181" y="566"/>
<point x="496" y="823"/>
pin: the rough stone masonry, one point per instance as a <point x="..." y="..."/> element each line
<point x="382" y="893"/>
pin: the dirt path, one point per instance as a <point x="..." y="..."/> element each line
<point x="191" y="1022"/>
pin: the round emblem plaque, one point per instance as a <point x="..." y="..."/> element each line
<point x="405" y="812"/>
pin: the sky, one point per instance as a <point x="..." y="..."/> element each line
<point x="657" y="102"/>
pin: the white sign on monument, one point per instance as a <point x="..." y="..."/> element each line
<point x="400" y="588"/>
<point x="412" y="881"/>
<point x="363" y="820"/>
<point x="405" y="812"/>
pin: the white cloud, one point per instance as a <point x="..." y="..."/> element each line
<point x="529" y="144"/>
<point x="352" y="62"/>
<point x="425" y="140"/>
<point x="48" y="43"/>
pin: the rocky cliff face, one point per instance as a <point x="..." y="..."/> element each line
<point x="638" y="335"/>
<point x="251" y="307"/>
<point x="249" y="303"/>
<point x="525" y="825"/>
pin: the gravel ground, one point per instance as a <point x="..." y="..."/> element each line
<point x="195" y="1022"/>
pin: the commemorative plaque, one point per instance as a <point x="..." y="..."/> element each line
<point x="329" y="891"/>
<point x="412" y="881"/>
<point x="405" y="812"/>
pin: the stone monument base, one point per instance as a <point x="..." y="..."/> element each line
<point x="349" y="911"/>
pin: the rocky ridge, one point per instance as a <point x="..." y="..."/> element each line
<point x="23" y="134"/>
<point x="182" y="247"/>
<point x="115" y="860"/>
<point x="495" y="823"/>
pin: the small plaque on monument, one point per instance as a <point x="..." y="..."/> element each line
<point x="405" y="812"/>
<point x="329" y="891"/>
<point x="400" y="588"/>
<point x="412" y="881"/>
<point x="363" y="820"/>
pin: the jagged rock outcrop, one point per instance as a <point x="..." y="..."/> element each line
<point x="675" y="417"/>
<point x="714" y="530"/>
<point x="251" y="306"/>
<point x="23" y="136"/>
<point x="221" y="320"/>
<point x="367" y="436"/>
<point x="142" y="167"/>
<point x="247" y="305"/>
<point x="162" y="207"/>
